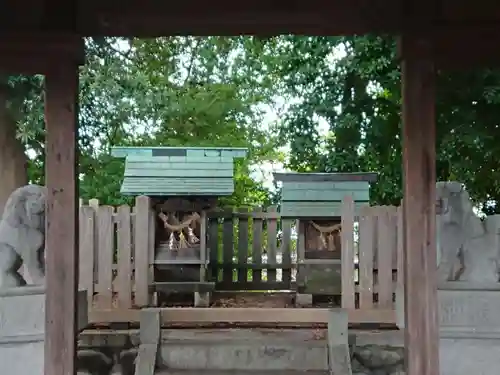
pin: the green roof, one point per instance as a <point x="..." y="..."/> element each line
<point x="321" y="194"/>
<point x="178" y="171"/>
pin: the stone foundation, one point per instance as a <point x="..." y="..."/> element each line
<point x="22" y="329"/>
<point x="265" y="351"/>
<point x="378" y="360"/>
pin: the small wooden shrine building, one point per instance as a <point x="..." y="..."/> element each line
<point x="183" y="182"/>
<point x="45" y="37"/>
<point x="315" y="200"/>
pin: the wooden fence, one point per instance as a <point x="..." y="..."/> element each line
<point x="371" y="264"/>
<point x="248" y="251"/>
<point x="116" y="254"/>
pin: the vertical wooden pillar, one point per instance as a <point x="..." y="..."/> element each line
<point x="61" y="167"/>
<point x="419" y="170"/>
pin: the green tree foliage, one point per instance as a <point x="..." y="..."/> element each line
<point x="353" y="85"/>
<point x="191" y="91"/>
<point x="179" y="91"/>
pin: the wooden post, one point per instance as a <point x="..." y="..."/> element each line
<point x="419" y="170"/>
<point x="61" y="112"/>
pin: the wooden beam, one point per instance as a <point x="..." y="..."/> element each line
<point x="149" y="18"/>
<point x="264" y="17"/>
<point x="37" y="53"/>
<point x="245" y="315"/>
<point x="419" y="168"/>
<point x="61" y="164"/>
<point x="459" y="48"/>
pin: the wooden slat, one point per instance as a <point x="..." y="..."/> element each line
<point x="133" y="217"/>
<point x="272" y="238"/>
<point x="242" y="246"/>
<point x="279" y="285"/>
<point x="385" y="245"/>
<point x="213" y="245"/>
<point x="252" y="315"/>
<point x="184" y="286"/>
<point x="264" y="285"/>
<point x="151" y="245"/>
<point x="203" y="246"/>
<point x="257" y="244"/>
<point x="94" y="203"/>
<point x="394" y="225"/>
<point x="301" y="241"/>
<point x="366" y="247"/>
<point x="105" y="235"/>
<point x="400" y="252"/>
<point x="255" y="214"/>
<point x="227" y="248"/>
<point x="347" y="253"/>
<point x="286" y="250"/>
<point x="378" y="210"/>
<point x="141" y="254"/>
<point x="86" y="275"/>
<point x="124" y="242"/>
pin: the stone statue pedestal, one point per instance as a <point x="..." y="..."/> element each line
<point x="22" y="328"/>
<point x="469" y="328"/>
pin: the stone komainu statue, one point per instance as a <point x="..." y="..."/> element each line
<point x="22" y="236"/>
<point x="468" y="247"/>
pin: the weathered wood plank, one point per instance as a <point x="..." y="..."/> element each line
<point x="255" y="214"/>
<point x="272" y="238"/>
<point x="213" y="246"/>
<point x="141" y="253"/>
<point x="400" y="272"/>
<point x="257" y="244"/>
<point x="286" y="251"/>
<point x="242" y="246"/>
<point x="151" y="244"/>
<point x="419" y="171"/>
<point x="347" y="253"/>
<point x="301" y="240"/>
<point x="386" y="235"/>
<point x="184" y="287"/>
<point x="61" y="168"/>
<point x="86" y="239"/>
<point x="105" y="235"/>
<point x="124" y="271"/>
<point x="203" y="246"/>
<point x="366" y="247"/>
<point x="94" y="203"/>
<point x="276" y="316"/>
<point x="227" y="248"/>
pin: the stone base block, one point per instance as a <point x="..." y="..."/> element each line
<point x="303" y="300"/>
<point x="469" y="356"/>
<point x="201" y="299"/>
<point x="22" y="328"/>
<point x="469" y="328"/>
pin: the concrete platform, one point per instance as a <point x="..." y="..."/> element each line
<point x="22" y="329"/>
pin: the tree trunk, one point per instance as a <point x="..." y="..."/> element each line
<point x="13" y="160"/>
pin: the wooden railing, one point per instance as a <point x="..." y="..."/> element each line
<point x="249" y="250"/>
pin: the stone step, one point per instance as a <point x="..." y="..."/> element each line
<point x="237" y="372"/>
<point x="244" y="350"/>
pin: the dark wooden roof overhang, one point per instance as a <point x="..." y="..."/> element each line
<point x="463" y="33"/>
